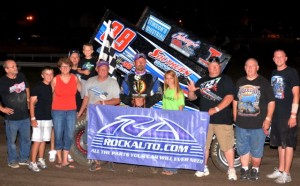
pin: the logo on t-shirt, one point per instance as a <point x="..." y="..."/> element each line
<point x="17" y="88"/>
<point x="88" y="66"/>
<point x="278" y="86"/>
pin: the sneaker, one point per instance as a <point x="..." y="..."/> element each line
<point x="41" y="163"/>
<point x="253" y="175"/>
<point x="33" y="167"/>
<point x="231" y="174"/>
<point x="13" y="165"/>
<point x="26" y="162"/>
<point x="70" y="159"/>
<point x="52" y="155"/>
<point x="244" y="174"/>
<point x="284" y="178"/>
<point x="201" y="174"/>
<point x="274" y="174"/>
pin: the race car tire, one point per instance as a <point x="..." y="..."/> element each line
<point x="79" y="148"/>
<point x="218" y="157"/>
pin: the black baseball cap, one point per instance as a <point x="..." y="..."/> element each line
<point x="73" y="51"/>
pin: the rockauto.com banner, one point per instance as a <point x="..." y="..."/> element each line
<point x="151" y="137"/>
<point x="130" y="40"/>
<point x="196" y="49"/>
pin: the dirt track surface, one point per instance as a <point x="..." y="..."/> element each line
<point x="80" y="176"/>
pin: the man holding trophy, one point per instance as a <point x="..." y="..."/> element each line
<point x="140" y="89"/>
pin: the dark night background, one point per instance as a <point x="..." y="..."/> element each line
<point x="71" y="23"/>
<point x="253" y="29"/>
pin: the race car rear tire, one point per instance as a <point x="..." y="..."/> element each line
<point x="79" y="148"/>
<point x="218" y="157"/>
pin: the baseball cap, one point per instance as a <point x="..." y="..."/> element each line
<point x="73" y="51"/>
<point x="139" y="55"/>
<point x="214" y="59"/>
<point x="101" y="63"/>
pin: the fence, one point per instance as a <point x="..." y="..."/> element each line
<point x="35" y="60"/>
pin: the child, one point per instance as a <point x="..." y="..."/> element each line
<point x="173" y="99"/>
<point x="41" y="120"/>
<point x="86" y="66"/>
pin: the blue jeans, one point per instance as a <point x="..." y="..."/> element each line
<point x="12" y="128"/>
<point x="64" y="122"/>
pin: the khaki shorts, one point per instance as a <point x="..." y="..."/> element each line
<point x="225" y="136"/>
<point x="43" y="131"/>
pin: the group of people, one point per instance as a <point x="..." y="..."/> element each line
<point x="52" y="103"/>
<point x="254" y="103"/>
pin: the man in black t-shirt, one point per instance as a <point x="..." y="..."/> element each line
<point x="253" y="108"/>
<point x="14" y="93"/>
<point x="285" y="83"/>
<point x="215" y="92"/>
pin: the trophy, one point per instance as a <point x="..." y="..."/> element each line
<point x="139" y="86"/>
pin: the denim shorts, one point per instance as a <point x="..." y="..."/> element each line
<point x="250" y="141"/>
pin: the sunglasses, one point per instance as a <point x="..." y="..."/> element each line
<point x="73" y="51"/>
<point x="214" y="59"/>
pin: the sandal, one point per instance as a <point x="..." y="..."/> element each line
<point x="58" y="165"/>
<point x="52" y="155"/>
<point x="70" y="159"/>
<point x="168" y="173"/>
<point x="94" y="167"/>
<point x="70" y="166"/>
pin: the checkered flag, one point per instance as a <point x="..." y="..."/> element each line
<point x="107" y="51"/>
